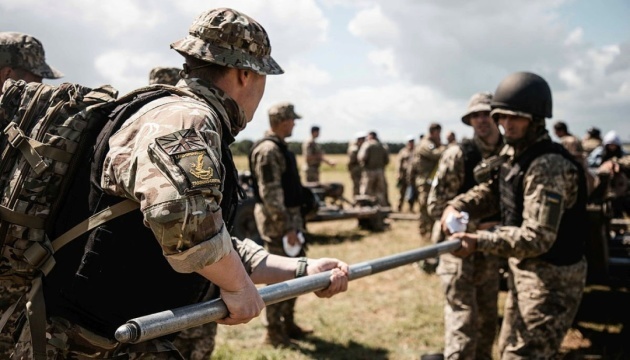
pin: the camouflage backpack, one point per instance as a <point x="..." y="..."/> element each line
<point x="46" y="131"/>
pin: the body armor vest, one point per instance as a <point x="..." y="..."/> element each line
<point x="472" y="157"/>
<point x="569" y="245"/>
<point x="291" y="184"/>
<point x="120" y="257"/>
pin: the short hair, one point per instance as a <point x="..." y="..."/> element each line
<point x="560" y="126"/>
<point x="314" y="128"/>
<point x="434" y="126"/>
<point x="211" y="72"/>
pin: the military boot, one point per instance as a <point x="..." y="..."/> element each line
<point x="277" y="337"/>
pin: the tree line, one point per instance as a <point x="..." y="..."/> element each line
<point x="243" y="147"/>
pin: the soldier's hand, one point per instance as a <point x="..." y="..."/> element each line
<point x="608" y="167"/>
<point x="338" y="277"/>
<point x="243" y="304"/>
<point x="469" y="244"/>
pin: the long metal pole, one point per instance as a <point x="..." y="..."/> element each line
<point x="166" y="322"/>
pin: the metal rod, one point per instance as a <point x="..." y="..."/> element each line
<point x="166" y="322"/>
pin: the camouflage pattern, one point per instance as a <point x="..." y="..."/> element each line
<point x="471" y="285"/>
<point x="354" y="167"/>
<point x="543" y="298"/>
<point x="282" y="111"/>
<point x="229" y="38"/>
<point x="273" y="218"/>
<point x="574" y="146"/>
<point x="590" y="144"/>
<point x="403" y="161"/>
<point x="164" y="75"/>
<point x="10" y="294"/>
<point x="478" y="102"/>
<point x="198" y="343"/>
<point x="167" y="156"/>
<point x="423" y="166"/>
<point x="373" y="158"/>
<point x="313" y="151"/>
<point x="23" y="51"/>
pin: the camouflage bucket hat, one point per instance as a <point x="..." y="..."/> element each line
<point x="25" y="52"/>
<point x="283" y="111"/>
<point x="229" y="38"/>
<point x="478" y="102"/>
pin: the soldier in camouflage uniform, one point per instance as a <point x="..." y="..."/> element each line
<point x="403" y="160"/>
<point x="171" y="158"/>
<point x="471" y="285"/>
<point x="354" y="167"/>
<point x="313" y="157"/>
<point x="22" y="57"/>
<point x="164" y="75"/>
<point x="591" y="140"/>
<point x="277" y="190"/>
<point x="423" y="166"/>
<point x="540" y="192"/>
<point x="373" y="157"/>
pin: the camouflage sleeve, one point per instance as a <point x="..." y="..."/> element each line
<point x="624" y="163"/>
<point x="251" y="254"/>
<point x="479" y="202"/>
<point x="431" y="153"/>
<point x="173" y="171"/>
<point x="446" y="182"/>
<point x="269" y="164"/>
<point x="362" y="153"/>
<point x="550" y="186"/>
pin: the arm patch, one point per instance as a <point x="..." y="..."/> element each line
<point x="188" y="159"/>
<point x="552" y="204"/>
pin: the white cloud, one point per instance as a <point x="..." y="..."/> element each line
<point x="384" y="58"/>
<point x="372" y="25"/>
<point x="574" y="37"/>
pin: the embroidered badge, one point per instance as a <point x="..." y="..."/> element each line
<point x="552" y="204"/>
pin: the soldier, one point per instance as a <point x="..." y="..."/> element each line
<point x="568" y="140"/>
<point x="164" y="75"/>
<point x="591" y="140"/>
<point x="451" y="139"/>
<point x="22" y="57"/>
<point x="278" y="190"/>
<point x="373" y="158"/>
<point x="354" y="167"/>
<point x="403" y="159"/>
<point x="172" y="159"/>
<point x="471" y="285"/>
<point x="423" y="166"/>
<point x="541" y="195"/>
<point x="610" y="148"/>
<point x="313" y="157"/>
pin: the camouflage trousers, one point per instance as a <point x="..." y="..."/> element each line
<point x="311" y="173"/>
<point x="426" y="223"/>
<point x="198" y="343"/>
<point x="355" y="176"/>
<point x="70" y="341"/>
<point x="373" y="183"/>
<point x="540" y="307"/>
<point x="280" y="315"/>
<point x="471" y="288"/>
<point x="10" y="294"/>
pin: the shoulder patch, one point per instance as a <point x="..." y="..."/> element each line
<point x="552" y="204"/>
<point x="189" y="160"/>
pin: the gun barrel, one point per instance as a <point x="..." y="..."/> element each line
<point x="166" y="322"/>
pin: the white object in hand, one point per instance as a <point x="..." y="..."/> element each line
<point x="293" y="250"/>
<point x="457" y="224"/>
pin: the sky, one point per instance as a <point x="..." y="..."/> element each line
<point x="390" y="66"/>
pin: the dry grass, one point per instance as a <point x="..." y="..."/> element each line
<point x="396" y="314"/>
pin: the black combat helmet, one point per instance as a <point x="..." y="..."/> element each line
<point x="524" y="92"/>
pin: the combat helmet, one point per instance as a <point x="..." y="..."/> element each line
<point x="522" y="93"/>
<point x="229" y="38"/>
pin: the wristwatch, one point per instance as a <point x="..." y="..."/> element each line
<point x="302" y="263"/>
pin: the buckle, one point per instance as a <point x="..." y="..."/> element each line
<point x="14" y="134"/>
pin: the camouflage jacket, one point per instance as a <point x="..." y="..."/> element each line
<point x="424" y="160"/>
<point x="312" y="153"/>
<point x="403" y="160"/>
<point x="273" y="218"/>
<point x="450" y="174"/>
<point x="547" y="174"/>
<point x="373" y="155"/>
<point x="353" y="159"/>
<point x="167" y="156"/>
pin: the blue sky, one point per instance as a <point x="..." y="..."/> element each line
<point x="355" y="65"/>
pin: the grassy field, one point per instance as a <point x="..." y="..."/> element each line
<point x="396" y="314"/>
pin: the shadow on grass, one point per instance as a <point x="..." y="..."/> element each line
<point x="328" y="350"/>
<point x="339" y="237"/>
<point x="603" y="320"/>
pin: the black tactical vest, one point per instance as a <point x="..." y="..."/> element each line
<point x="95" y="274"/>
<point x="472" y="157"/>
<point x="569" y="245"/>
<point x="291" y="184"/>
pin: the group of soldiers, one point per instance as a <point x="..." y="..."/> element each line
<point x="521" y="196"/>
